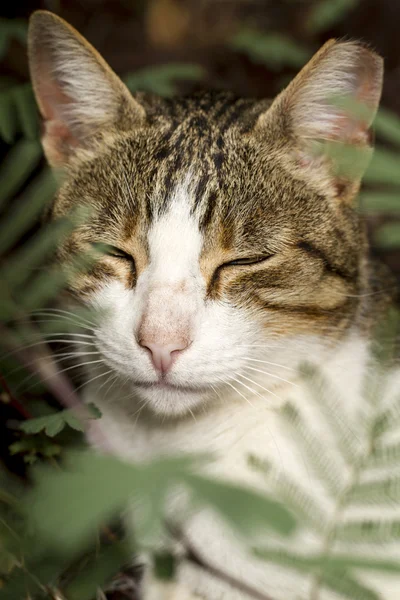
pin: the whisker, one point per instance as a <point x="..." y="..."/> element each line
<point x="56" y="373"/>
<point x="272" y="375"/>
<point x="225" y="381"/>
<point x="63" y="312"/>
<point x="56" y="357"/>
<point x="45" y="343"/>
<point x="85" y="383"/>
<point x="259" y="385"/>
<point x="268" y="363"/>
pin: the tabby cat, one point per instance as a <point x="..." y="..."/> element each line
<point x="234" y="252"/>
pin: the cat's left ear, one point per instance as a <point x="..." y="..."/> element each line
<point x="79" y="96"/>
<point x="323" y="117"/>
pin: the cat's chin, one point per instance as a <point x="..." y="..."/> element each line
<point x="170" y="400"/>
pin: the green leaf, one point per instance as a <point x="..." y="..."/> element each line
<point x="294" y="497"/>
<point x="29" y="206"/>
<point x="383" y="168"/>
<point x="320" y="457"/>
<point x="19" y="163"/>
<point x="162" y="79"/>
<point x="26" y="108"/>
<point x="347" y="586"/>
<point x="380" y="202"/>
<point x="369" y="531"/>
<point x="52" y="424"/>
<point x="55" y="424"/>
<point x="387" y="124"/>
<point x="327" y="401"/>
<point x="383" y="491"/>
<point x="388" y="236"/>
<point x="8" y="117"/>
<point x="329" y="562"/>
<point x="273" y="49"/>
<point x="244" y="509"/>
<point x="164" y="565"/>
<point x="67" y="507"/>
<point x="98" y="572"/>
<point x="71" y="420"/>
<point x="327" y="13"/>
<point x="386" y="455"/>
<point x="11" y="29"/>
<point x="96" y="413"/>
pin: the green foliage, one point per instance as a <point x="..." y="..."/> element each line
<point x="11" y="29"/>
<point x="347" y="468"/>
<point x="32" y="448"/>
<point x="54" y="423"/>
<point x="273" y="49"/>
<point x="162" y="79"/>
<point x="327" y="13"/>
<point x="97" y="487"/>
<point x="18" y="114"/>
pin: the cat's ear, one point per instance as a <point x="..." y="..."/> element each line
<point x="325" y="115"/>
<point x="79" y="96"/>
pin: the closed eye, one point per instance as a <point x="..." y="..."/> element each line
<point x="109" y="250"/>
<point x="249" y="260"/>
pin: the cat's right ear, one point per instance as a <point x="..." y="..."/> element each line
<point x="79" y="96"/>
<point x="325" y="114"/>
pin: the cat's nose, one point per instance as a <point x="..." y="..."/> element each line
<point x="163" y="355"/>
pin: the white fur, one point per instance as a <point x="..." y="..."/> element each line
<point x="239" y="417"/>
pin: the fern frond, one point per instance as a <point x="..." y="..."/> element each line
<point x="386" y="455"/>
<point x="326" y="401"/>
<point x="368" y="531"/>
<point x="323" y="462"/>
<point x="383" y="491"/>
<point x="347" y="587"/>
<point x="291" y="494"/>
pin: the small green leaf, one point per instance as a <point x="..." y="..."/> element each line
<point x="327" y="13"/>
<point x="17" y="166"/>
<point x="73" y="421"/>
<point x="273" y="49"/>
<point x="28" y="208"/>
<point x="162" y="79"/>
<point x="388" y="236"/>
<point x="94" y="410"/>
<point x="27" y="111"/>
<point x="380" y="202"/>
<point x="387" y="124"/>
<point x="383" y="168"/>
<point x="8" y="117"/>
<point x="55" y="424"/>
<point x="164" y="565"/>
<point x="229" y="500"/>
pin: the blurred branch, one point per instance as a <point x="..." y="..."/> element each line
<point x="13" y="401"/>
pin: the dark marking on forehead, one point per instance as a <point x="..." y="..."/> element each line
<point x="208" y="214"/>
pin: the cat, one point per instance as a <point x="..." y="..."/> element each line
<point x="234" y="251"/>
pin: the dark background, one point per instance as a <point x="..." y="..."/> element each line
<point x="253" y="47"/>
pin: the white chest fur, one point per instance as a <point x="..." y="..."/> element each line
<point x="233" y="430"/>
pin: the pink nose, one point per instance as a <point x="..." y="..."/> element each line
<point x="163" y="355"/>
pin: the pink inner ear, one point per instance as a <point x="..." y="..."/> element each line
<point x="58" y="137"/>
<point x="353" y="128"/>
<point x="52" y="100"/>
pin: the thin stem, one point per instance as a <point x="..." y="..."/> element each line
<point x="193" y="556"/>
<point x="14" y="402"/>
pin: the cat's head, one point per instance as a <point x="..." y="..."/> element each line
<point x="234" y="248"/>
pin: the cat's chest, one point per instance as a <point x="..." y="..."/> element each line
<point x="231" y="434"/>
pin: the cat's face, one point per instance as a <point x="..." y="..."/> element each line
<point x="234" y="252"/>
